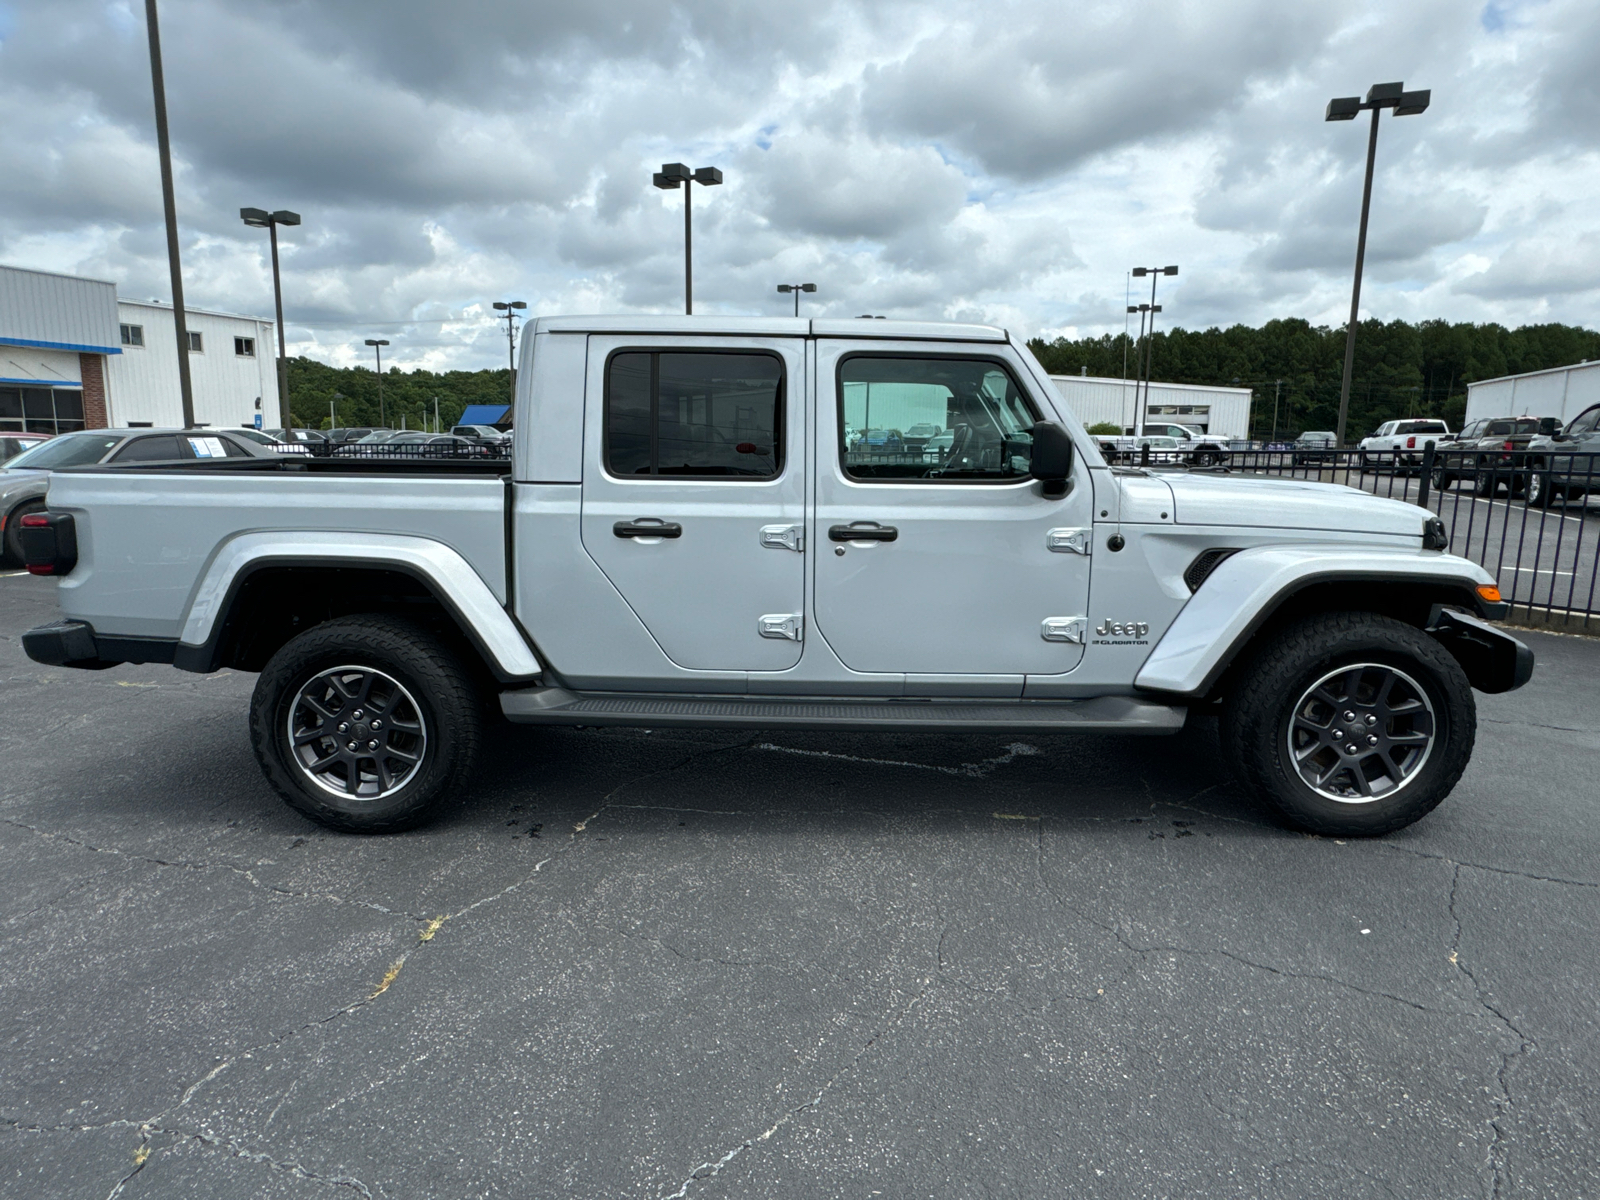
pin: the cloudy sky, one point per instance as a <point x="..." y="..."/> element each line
<point x="1004" y="161"/>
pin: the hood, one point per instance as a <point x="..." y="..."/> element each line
<point x="1268" y="503"/>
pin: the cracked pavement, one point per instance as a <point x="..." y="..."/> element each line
<point x="687" y="965"/>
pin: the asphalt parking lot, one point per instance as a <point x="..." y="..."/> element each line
<point x="651" y="965"/>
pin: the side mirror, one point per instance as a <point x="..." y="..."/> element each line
<point x="1051" y="463"/>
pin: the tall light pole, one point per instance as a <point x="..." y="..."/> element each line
<point x="669" y="178"/>
<point x="1141" y="309"/>
<point x="164" y="148"/>
<point x="1155" y="273"/>
<point x="377" y="345"/>
<point x="1345" y="108"/>
<point x="260" y="218"/>
<point x="510" y="309"/>
<point x="797" y="288"/>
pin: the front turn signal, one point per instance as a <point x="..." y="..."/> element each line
<point x="1489" y="592"/>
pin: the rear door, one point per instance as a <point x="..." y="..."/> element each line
<point x="944" y="562"/>
<point x="694" y="492"/>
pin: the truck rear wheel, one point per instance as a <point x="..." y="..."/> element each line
<point x="1351" y="724"/>
<point x="365" y="724"/>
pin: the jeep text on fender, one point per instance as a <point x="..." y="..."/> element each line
<point x="715" y="521"/>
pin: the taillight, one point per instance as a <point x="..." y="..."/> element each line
<point x="1411" y="443"/>
<point x="49" y="542"/>
<point x="1508" y="446"/>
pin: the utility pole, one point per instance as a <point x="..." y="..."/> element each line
<point x="509" y="308"/>
<point x="169" y="204"/>
<point x="377" y="345"/>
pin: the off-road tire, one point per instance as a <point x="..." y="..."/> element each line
<point x="436" y="683"/>
<point x="11" y="550"/>
<point x="1262" y="700"/>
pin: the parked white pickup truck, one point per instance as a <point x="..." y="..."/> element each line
<point x="1406" y="440"/>
<point x="684" y="537"/>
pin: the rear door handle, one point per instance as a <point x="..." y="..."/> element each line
<point x="862" y="531"/>
<point x="647" y="527"/>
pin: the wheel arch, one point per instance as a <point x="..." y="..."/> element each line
<point x="1243" y="603"/>
<point x="261" y="590"/>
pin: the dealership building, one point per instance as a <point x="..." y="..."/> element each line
<point x="75" y="356"/>
<point x="1560" y="392"/>
<point x="1221" y="412"/>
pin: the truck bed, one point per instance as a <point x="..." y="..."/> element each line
<point x="146" y="534"/>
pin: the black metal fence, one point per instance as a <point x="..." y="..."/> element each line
<point x="459" y="450"/>
<point x="1531" y="518"/>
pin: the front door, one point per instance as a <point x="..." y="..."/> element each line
<point x="942" y="558"/>
<point x="694" y="492"/>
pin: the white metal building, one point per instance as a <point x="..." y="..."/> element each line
<point x="232" y="367"/>
<point x="74" y="356"/>
<point x="1222" y="412"/>
<point x="1560" y="392"/>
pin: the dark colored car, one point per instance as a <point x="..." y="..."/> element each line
<point x="1488" y="451"/>
<point x="352" y="433"/>
<point x="921" y="434"/>
<point x="486" y="434"/>
<point x="304" y="436"/>
<point x="1315" y="446"/>
<point x="1565" y="466"/>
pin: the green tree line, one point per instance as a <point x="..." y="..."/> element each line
<point x="1401" y="369"/>
<point x="318" y="393"/>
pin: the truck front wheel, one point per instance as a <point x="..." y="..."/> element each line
<point x="365" y="724"/>
<point x="1351" y="724"/>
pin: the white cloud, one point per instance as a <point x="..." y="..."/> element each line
<point x="1006" y="160"/>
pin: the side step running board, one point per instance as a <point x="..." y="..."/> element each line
<point x="1111" y="714"/>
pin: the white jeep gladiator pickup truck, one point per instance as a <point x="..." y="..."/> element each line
<point x="683" y="536"/>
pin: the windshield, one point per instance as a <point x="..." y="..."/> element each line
<point x="68" y="450"/>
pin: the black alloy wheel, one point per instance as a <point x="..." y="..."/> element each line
<point x="1361" y="731"/>
<point x="1350" y="724"/>
<point x="366" y="724"/>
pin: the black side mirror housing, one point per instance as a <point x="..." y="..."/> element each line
<point x="1051" y="463"/>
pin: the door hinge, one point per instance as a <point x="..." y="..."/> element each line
<point x="783" y="537"/>
<point x="1067" y="541"/>
<point x="789" y="627"/>
<point x="1064" y="629"/>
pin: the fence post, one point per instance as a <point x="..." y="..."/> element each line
<point x="1144" y="455"/>
<point x="1427" y="474"/>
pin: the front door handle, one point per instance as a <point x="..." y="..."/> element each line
<point x="862" y="531"/>
<point x="647" y="527"/>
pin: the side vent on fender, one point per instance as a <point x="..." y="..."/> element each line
<point x="1205" y="562"/>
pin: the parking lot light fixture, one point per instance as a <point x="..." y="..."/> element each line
<point x="797" y="288"/>
<point x="1345" y="108"/>
<point x="670" y="178"/>
<point x="377" y="345"/>
<point x="1152" y="308"/>
<point x="260" y="218"/>
<point x="508" y="310"/>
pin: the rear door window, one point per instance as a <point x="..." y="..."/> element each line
<point x="694" y="414"/>
<point x="161" y="447"/>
